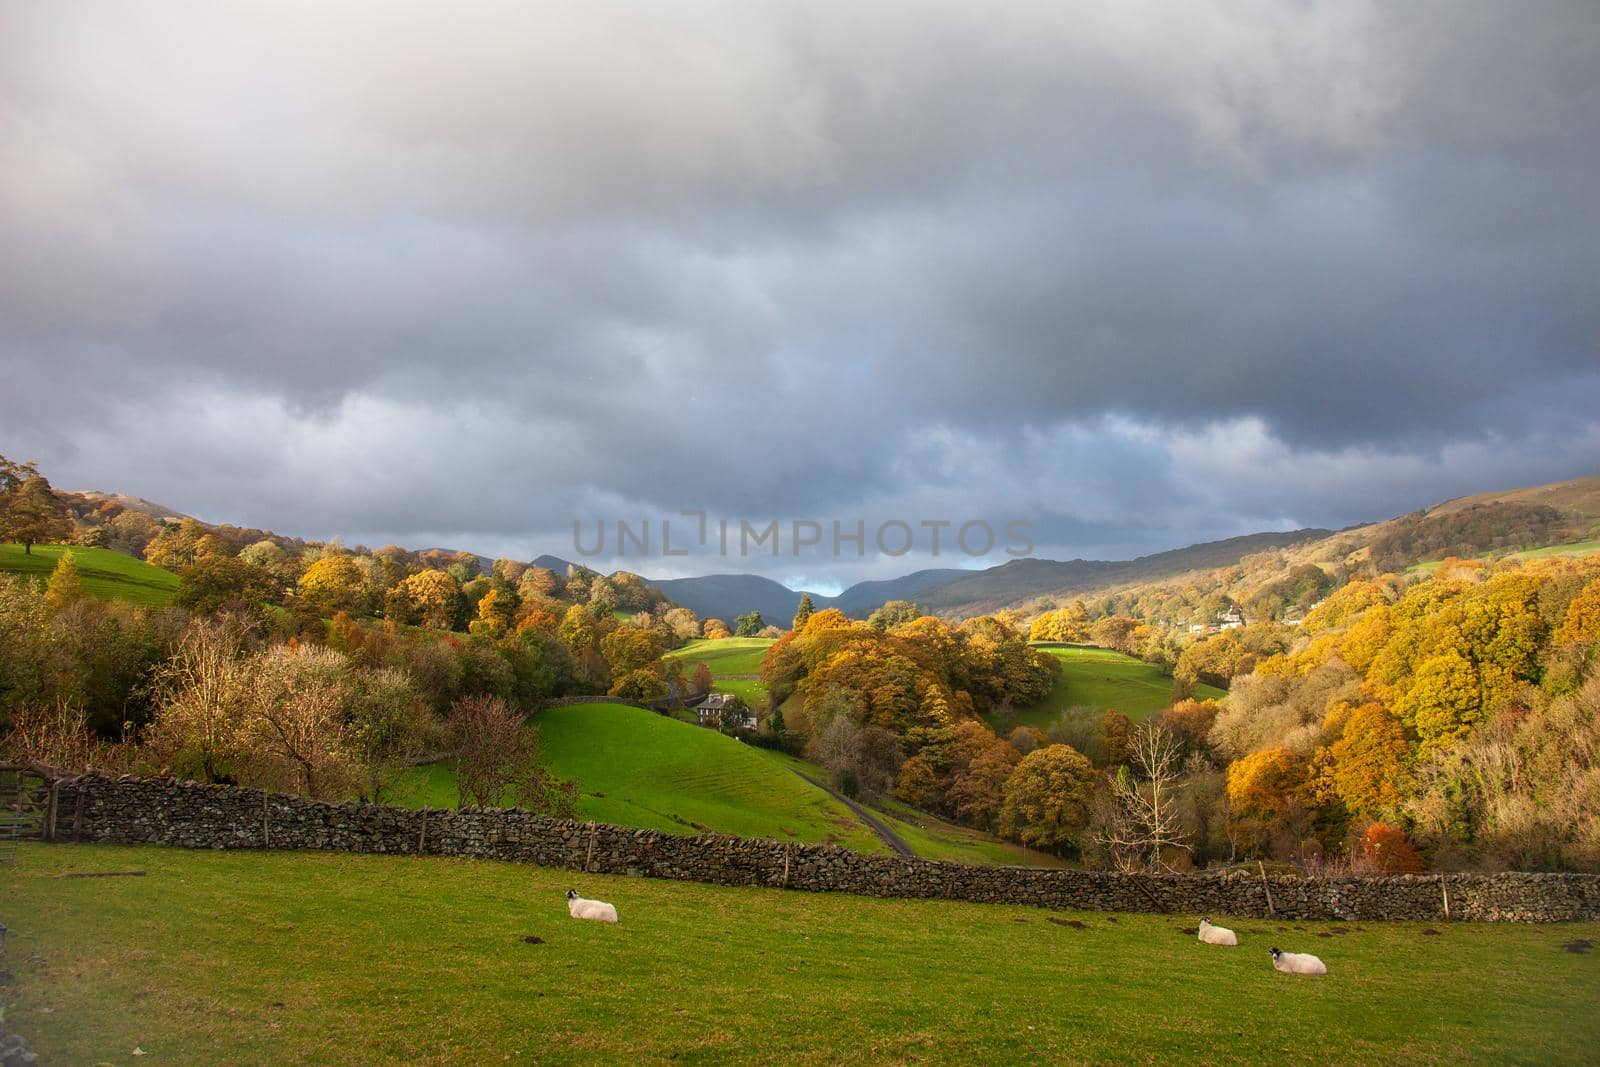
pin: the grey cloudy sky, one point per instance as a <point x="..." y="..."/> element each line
<point x="1142" y="273"/>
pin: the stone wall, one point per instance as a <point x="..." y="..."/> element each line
<point x="165" y="812"/>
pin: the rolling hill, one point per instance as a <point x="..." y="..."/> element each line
<point x="1101" y="680"/>
<point x="636" y="768"/>
<point x="105" y="573"/>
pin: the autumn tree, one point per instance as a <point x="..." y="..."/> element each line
<point x="65" y="585"/>
<point x="1047" y="799"/>
<point x="495" y="612"/>
<point x="434" y="597"/>
<point x="1267" y="794"/>
<point x="1388" y="850"/>
<point x="1116" y="737"/>
<point x="1067" y="625"/>
<point x="716" y="630"/>
<point x="1366" y="765"/>
<point x="31" y="513"/>
<point x="683" y="624"/>
<point x="918" y="783"/>
<point x="334" y="583"/>
<point x="700" y="681"/>
<point x="495" y="754"/>
<point x="1190" y="722"/>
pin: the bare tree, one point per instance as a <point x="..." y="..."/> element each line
<point x="496" y="753"/>
<point x="1146" y="820"/>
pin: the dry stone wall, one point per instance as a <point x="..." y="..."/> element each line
<point x="189" y="815"/>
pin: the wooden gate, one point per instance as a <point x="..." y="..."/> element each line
<point x="28" y="797"/>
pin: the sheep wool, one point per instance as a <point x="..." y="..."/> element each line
<point x="1298" y="963"/>
<point x="1217" y="935"/>
<point x="597" y="910"/>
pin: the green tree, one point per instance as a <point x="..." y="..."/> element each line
<point x="803" y="612"/>
<point x="892" y="614"/>
<point x="212" y="581"/>
<point x="31" y="514"/>
<point x="749" y="624"/>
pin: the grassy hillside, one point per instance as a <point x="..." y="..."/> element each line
<point x="732" y="655"/>
<point x="324" y="958"/>
<point x="1100" y="679"/>
<point x="105" y="573"/>
<point x="636" y="768"/>
<point x="1577" y="548"/>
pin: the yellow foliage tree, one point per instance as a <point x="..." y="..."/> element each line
<point x="333" y="583"/>
<point x="1047" y="799"/>
<point x="1366" y="765"/>
<point x="433" y="596"/>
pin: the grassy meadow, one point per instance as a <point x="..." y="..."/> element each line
<point x="731" y="655"/>
<point x="637" y="768"/>
<point x="234" y="957"/>
<point x="105" y="573"/>
<point x="1101" y="679"/>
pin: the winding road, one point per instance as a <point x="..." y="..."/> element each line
<point x="878" y="826"/>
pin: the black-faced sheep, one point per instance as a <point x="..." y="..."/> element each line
<point x="1298" y="963"/>
<point x="597" y="910"/>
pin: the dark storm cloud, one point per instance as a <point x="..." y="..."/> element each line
<point x="1142" y="273"/>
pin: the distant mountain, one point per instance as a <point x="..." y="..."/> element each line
<point x="949" y="591"/>
<point x="863" y="598"/>
<point x="552" y="563"/>
<point x="725" y="596"/>
<point x="1021" y="579"/>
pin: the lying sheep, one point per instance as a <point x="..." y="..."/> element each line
<point x="1217" y="935"/>
<point x="597" y="910"/>
<point x="1298" y="963"/>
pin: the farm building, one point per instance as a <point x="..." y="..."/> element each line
<point x="709" y="711"/>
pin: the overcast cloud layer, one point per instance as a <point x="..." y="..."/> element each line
<point x="1143" y="273"/>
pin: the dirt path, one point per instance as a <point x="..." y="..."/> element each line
<point x="890" y="838"/>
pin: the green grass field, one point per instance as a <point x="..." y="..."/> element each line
<point x="733" y="655"/>
<point x="105" y="573"/>
<point x="321" y="958"/>
<point x="636" y="768"/>
<point x="1100" y="679"/>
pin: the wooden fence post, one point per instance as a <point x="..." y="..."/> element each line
<point x="1271" y="911"/>
<point x="1444" y="888"/>
<point x="422" y="834"/>
<point x="266" y="835"/>
<point x="50" y="810"/>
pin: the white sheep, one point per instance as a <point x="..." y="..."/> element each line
<point x="1298" y="963"/>
<point x="1217" y="935"/>
<point x="597" y="910"/>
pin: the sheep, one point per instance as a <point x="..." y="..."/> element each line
<point x="1217" y="935"/>
<point x="597" y="910"/>
<point x="1297" y="963"/>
